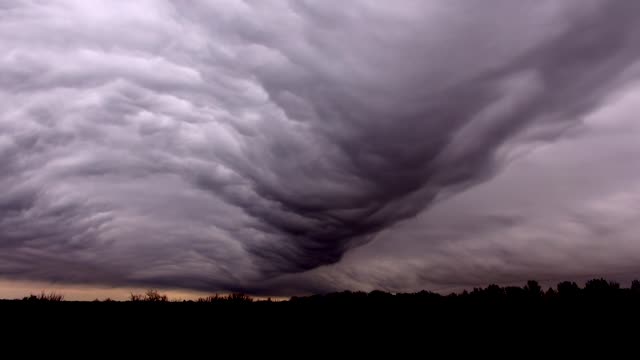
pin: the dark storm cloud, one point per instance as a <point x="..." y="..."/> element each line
<point x="221" y="144"/>
<point x="398" y="154"/>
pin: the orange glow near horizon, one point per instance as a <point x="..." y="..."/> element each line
<point x="18" y="289"/>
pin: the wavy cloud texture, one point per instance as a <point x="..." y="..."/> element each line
<point x="219" y="144"/>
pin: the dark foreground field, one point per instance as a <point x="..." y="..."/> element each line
<point x="598" y="297"/>
<point x="495" y="316"/>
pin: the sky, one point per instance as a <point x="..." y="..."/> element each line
<point x="295" y="147"/>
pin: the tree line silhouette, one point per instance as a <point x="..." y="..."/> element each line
<point x="566" y="292"/>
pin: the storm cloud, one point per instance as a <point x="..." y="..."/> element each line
<point x="231" y="145"/>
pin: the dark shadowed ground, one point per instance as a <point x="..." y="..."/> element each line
<point x="599" y="299"/>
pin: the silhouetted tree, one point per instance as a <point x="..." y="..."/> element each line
<point x="550" y="294"/>
<point x="210" y="299"/>
<point x="533" y="289"/>
<point x="150" y="295"/>
<point x="568" y="289"/>
<point x="515" y="292"/>
<point x="599" y="287"/>
<point x="45" y="297"/>
<point x="154" y="296"/>
<point x="239" y="298"/>
<point x="597" y="293"/>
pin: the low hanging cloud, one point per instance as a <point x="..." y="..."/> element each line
<point x="567" y="210"/>
<point x="219" y="144"/>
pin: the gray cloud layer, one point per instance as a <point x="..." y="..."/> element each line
<point x="229" y="145"/>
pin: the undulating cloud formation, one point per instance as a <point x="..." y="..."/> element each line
<point x="285" y="147"/>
